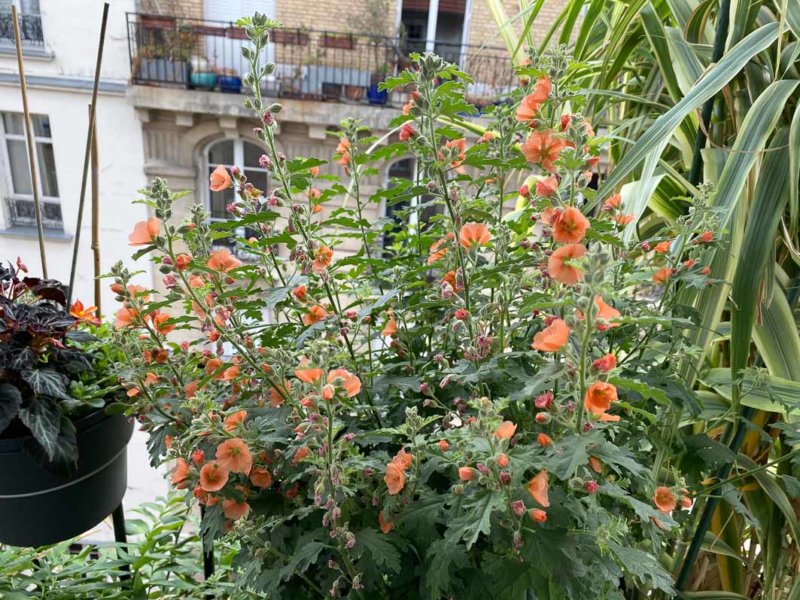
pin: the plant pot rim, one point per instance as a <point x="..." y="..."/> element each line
<point x="82" y="424"/>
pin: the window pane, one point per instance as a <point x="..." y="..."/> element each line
<point x="47" y="166"/>
<point x="5" y="6"/>
<point x="251" y="154"/>
<point x="41" y="126"/>
<point x="221" y="153"/>
<point x="12" y="123"/>
<point x="257" y="178"/>
<point x="29" y="7"/>
<point x="20" y="174"/>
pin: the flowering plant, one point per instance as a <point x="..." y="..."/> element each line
<point x="467" y="404"/>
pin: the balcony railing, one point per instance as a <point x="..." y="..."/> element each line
<point x="30" y="29"/>
<point x="310" y="64"/>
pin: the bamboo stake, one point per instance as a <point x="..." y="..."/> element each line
<point x="96" y="218"/>
<point x="87" y="152"/>
<point x="30" y="141"/>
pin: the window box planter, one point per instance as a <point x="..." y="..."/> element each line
<point x="331" y="91"/>
<point x="354" y="93"/>
<point x="289" y="37"/>
<point x="342" y="41"/>
<point x="38" y="507"/>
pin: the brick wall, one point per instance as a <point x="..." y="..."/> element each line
<point x="331" y="16"/>
<point x="190" y="9"/>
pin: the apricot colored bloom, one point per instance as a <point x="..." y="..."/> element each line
<point x="151" y="378"/>
<point x="436" y="251"/>
<point x="260" y="477"/>
<point x="395" y="478"/>
<point x="212" y="365"/>
<point x="213" y="477"/>
<point x="570" y="226"/>
<point x="180" y="473"/>
<point x="664" y="499"/>
<point x="276" y="395"/>
<point x="444" y="445"/>
<point x="197" y="281"/>
<point x="613" y="202"/>
<point x="599" y="397"/>
<point x="529" y="107"/>
<point x="234" y="420"/>
<point x="506" y="430"/>
<point x="502" y="460"/>
<point x="538" y="515"/>
<point x="686" y="501"/>
<point x="538" y="488"/>
<point x="595" y="464"/>
<point x="233" y="509"/>
<point x="623" y="220"/>
<point x="473" y="235"/>
<point x="230" y="373"/>
<point x="544" y="440"/>
<point x="322" y="258"/>
<point x="301" y="453"/>
<point x="547" y="186"/>
<point x="315" y="314"/>
<point x="84" y="313"/>
<point x="351" y="383"/>
<point x="182" y="261"/>
<point x="403" y="458"/>
<point x="190" y="389"/>
<point x="662" y="275"/>
<point x="343" y="150"/>
<point x="144" y="232"/>
<point x="300" y="292"/>
<point x="160" y="322"/>
<point x="542" y="147"/>
<point x="406" y="132"/>
<point x="460" y="145"/>
<point x="605" y="363"/>
<point x="663" y="247"/>
<point x="222" y="260"/>
<point x="310" y="375"/>
<point x="125" y="317"/>
<point x="605" y="315"/>
<point x="466" y="473"/>
<point x="233" y="455"/>
<point x="220" y="179"/>
<point x="390" y="328"/>
<point x="559" y="267"/>
<point x="552" y="338"/>
<point x="386" y="526"/>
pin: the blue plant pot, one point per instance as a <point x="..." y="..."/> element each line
<point x="204" y="80"/>
<point x="230" y="84"/>
<point x="376" y="96"/>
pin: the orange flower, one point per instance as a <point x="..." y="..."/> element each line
<point x="315" y="314"/>
<point x="213" y="477"/>
<point x="460" y="145"/>
<point x="538" y="488"/>
<point x="159" y="320"/>
<point x="351" y="383"/>
<point x="505" y="431"/>
<point x="502" y="460"/>
<point x="180" y="473"/>
<point x="312" y="375"/>
<point x="212" y="365"/>
<point x="276" y="398"/>
<point x="403" y="458"/>
<point x="663" y="247"/>
<point x="558" y="267"/>
<point x="605" y="314"/>
<point x="474" y="234"/>
<point x="125" y="317"/>
<point x="85" y="314"/>
<point x="322" y="258"/>
<point x="664" y="499"/>
<point x="546" y="187"/>
<point x="531" y="103"/>
<point x="623" y="220"/>
<point x="191" y="388"/>
<point x="662" y="275"/>
<point x="230" y="373"/>
<point x="466" y="473"/>
<point x="233" y="509"/>
<point x="570" y="226"/>
<point x="144" y="232"/>
<point x="542" y="147"/>
<point x="222" y="260"/>
<point x="436" y="251"/>
<point x="182" y="261"/>
<point x="150" y="378"/>
<point x="599" y="397"/>
<point x="605" y="363"/>
<point x="544" y="440"/>
<point x="233" y="455"/>
<point x="386" y="526"/>
<point x="220" y="179"/>
<point x="538" y="515"/>
<point x="395" y="478"/>
<point x="260" y="477"/>
<point x="444" y="445"/>
<point x="552" y="338"/>
<point x="390" y="328"/>
<point x="234" y="420"/>
<point x="343" y="150"/>
<point x="595" y="464"/>
<point x="301" y="453"/>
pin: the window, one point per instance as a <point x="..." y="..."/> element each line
<point x="228" y="153"/>
<point x="30" y="22"/>
<point x="14" y="154"/>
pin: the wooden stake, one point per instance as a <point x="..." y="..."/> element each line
<point x="96" y="218"/>
<point x="30" y="141"/>
<point x="87" y="151"/>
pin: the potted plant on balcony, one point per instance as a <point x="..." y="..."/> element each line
<point x="62" y="456"/>
<point x="375" y="19"/>
<point x="163" y="54"/>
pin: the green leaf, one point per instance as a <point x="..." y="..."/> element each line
<point x="475" y="518"/>
<point x="373" y="546"/>
<point x="767" y="392"/>
<point x="43" y="418"/>
<point x="643" y="566"/>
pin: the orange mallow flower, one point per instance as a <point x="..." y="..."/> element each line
<point x="599" y="397"/>
<point x="390" y="328"/>
<point x="460" y="145"/>
<point x="546" y="186"/>
<point x="315" y="314"/>
<point x="351" y="383"/>
<point x="213" y="477"/>
<point x="230" y="373"/>
<point x="395" y="478"/>
<point x="663" y="247"/>
<point x="260" y="477"/>
<point x="473" y="235"/>
<point x="160" y="322"/>
<point x="233" y="455"/>
<point x="180" y="473"/>
<point x="144" y="232"/>
<point x="570" y="226"/>
<point x="444" y="445"/>
<point x="542" y="147"/>
<point x="220" y="179"/>
<point x="436" y="251"/>
<point x="125" y="317"/>
<point x="538" y="515"/>
<point x="544" y="440"/>
<point x="559" y="267"/>
<point x="300" y="454"/>
<point x="605" y="315"/>
<point x="84" y="313"/>
<point x="506" y="430"/>
<point x="233" y="509"/>
<point x="234" y="420"/>
<point x="222" y="260"/>
<point x="552" y="338"/>
<point x="664" y="499"/>
<point x="662" y="275"/>
<point x="343" y="150"/>
<point x="386" y="526"/>
<point x="466" y="473"/>
<point x="277" y="394"/>
<point x="212" y="365"/>
<point x="595" y="464"/>
<point x="310" y="375"/>
<point x="531" y="103"/>
<point x="322" y="258"/>
<point x="538" y="488"/>
<point x="403" y="458"/>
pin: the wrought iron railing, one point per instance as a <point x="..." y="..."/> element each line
<point x="30" y="29"/>
<point x="310" y="64"/>
<point x="22" y="213"/>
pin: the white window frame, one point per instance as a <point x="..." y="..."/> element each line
<point x="6" y="168"/>
<point x="238" y="160"/>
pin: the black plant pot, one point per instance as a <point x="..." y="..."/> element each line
<point x="38" y="507"/>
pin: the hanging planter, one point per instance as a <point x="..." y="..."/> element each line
<point x="39" y="507"/>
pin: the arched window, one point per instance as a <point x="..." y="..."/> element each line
<point x="227" y="153"/>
